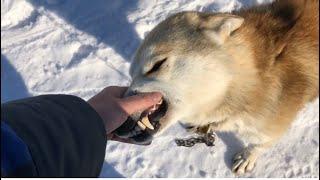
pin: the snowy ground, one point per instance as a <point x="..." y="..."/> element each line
<point x="80" y="46"/>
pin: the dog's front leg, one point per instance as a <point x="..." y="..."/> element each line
<point x="212" y="127"/>
<point x="225" y="125"/>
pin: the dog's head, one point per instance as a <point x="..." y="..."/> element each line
<point x="185" y="58"/>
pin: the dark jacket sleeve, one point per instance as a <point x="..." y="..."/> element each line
<point x="64" y="134"/>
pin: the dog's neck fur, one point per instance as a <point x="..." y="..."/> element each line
<point x="252" y="91"/>
<point x="267" y="40"/>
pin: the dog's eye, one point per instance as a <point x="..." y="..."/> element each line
<point x="156" y="66"/>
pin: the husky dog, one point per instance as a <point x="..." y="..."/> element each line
<point x="250" y="72"/>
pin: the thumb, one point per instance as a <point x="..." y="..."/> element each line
<point x="139" y="102"/>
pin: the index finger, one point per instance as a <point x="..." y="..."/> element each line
<point x="139" y="102"/>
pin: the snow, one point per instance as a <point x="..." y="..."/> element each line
<point x="79" y="47"/>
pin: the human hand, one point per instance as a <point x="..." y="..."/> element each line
<point x="115" y="110"/>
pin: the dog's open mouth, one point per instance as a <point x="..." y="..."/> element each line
<point x="142" y="130"/>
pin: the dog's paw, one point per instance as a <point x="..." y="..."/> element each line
<point x="202" y="130"/>
<point x="244" y="161"/>
<point x="191" y="129"/>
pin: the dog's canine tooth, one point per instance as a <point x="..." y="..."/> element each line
<point x="154" y="107"/>
<point x="146" y="122"/>
<point x="141" y="125"/>
<point x="160" y="102"/>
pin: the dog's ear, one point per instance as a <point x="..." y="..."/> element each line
<point x="219" y="27"/>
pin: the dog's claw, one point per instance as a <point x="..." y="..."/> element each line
<point x="236" y="164"/>
<point x="237" y="157"/>
<point x="243" y="162"/>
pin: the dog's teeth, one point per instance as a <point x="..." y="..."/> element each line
<point x="154" y="107"/>
<point x="141" y="125"/>
<point x="152" y="110"/>
<point x="146" y="122"/>
<point x="160" y="102"/>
